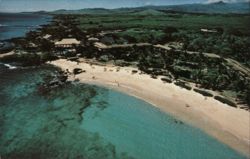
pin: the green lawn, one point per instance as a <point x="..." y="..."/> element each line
<point x="181" y="21"/>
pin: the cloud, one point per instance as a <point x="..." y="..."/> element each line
<point x="148" y="3"/>
<point x="227" y="1"/>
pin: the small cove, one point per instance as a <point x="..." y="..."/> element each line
<point x="86" y="121"/>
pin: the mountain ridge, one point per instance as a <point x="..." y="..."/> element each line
<point x="219" y="7"/>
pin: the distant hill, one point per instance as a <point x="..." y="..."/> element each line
<point x="211" y="8"/>
<point x="148" y="12"/>
<point x="84" y="11"/>
<point x="218" y="7"/>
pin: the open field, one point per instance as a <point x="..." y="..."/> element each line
<point x="229" y="34"/>
<point x="181" y="21"/>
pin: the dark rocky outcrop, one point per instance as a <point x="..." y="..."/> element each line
<point x="203" y="92"/>
<point x="51" y="82"/>
<point x="225" y="101"/>
<point x="77" y="71"/>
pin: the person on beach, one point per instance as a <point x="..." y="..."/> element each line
<point x="118" y="84"/>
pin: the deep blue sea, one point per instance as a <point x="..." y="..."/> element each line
<point x="79" y="121"/>
<point x="14" y="25"/>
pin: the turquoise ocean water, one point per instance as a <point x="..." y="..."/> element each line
<point x="90" y="122"/>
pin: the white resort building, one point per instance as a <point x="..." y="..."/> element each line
<point x="67" y="43"/>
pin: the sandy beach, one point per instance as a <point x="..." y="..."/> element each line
<point x="227" y="124"/>
<point x="7" y="54"/>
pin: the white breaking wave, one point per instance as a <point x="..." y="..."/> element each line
<point x="10" y="66"/>
<point x="2" y="25"/>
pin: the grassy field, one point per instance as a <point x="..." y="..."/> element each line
<point x="180" y="21"/>
<point x="231" y="40"/>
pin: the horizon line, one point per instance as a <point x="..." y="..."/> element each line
<point x="205" y="3"/>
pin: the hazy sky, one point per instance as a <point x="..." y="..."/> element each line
<point x="35" y="5"/>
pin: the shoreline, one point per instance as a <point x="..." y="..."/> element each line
<point x="227" y="124"/>
<point x="7" y="54"/>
